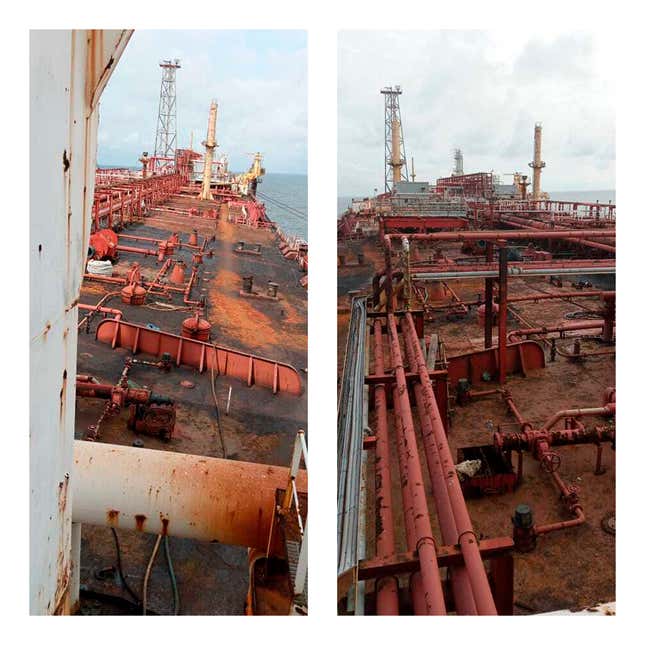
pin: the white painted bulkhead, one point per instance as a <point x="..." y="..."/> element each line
<point x="68" y="71"/>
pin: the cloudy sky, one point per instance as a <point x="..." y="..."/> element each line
<point x="482" y="92"/>
<point x="259" y="79"/>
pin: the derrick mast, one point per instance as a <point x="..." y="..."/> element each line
<point x="166" y="137"/>
<point x="396" y="167"/>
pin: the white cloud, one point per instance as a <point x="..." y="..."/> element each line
<point x="482" y="92"/>
<point x="259" y="81"/>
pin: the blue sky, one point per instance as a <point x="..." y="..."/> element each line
<point x="259" y="79"/>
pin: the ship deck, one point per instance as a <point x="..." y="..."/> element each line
<point x="571" y="568"/>
<point x="259" y="426"/>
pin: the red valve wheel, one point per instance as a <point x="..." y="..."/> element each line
<point x="550" y="461"/>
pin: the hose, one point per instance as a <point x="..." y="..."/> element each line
<point x="119" y="601"/>
<point x="583" y="315"/>
<point x="126" y="586"/>
<point x="173" y="579"/>
<point x="148" y="570"/>
<point x="219" y="427"/>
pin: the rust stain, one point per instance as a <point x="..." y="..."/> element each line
<point x="113" y="518"/>
<point x="62" y="395"/>
<point x="164" y="524"/>
<point x="140" y="521"/>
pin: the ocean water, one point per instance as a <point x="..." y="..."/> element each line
<point x="290" y="190"/>
<point x="602" y="196"/>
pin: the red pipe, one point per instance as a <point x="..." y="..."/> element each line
<point x="595" y="245"/>
<point x="134" y="249"/>
<point x="425" y="543"/>
<point x="387" y="594"/>
<point x="467" y="538"/>
<point x="104" y="278"/>
<point x="512" y="336"/>
<point x="419" y="604"/>
<point x="556" y="526"/>
<point x="456" y="236"/>
<point x="501" y="314"/>
<point x="460" y="581"/>
<point x="160" y="274"/>
<point x="576" y="509"/>
<point x="189" y="286"/>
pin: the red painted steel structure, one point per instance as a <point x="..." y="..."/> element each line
<point x="123" y="202"/>
<point x="254" y="370"/>
<point x="419" y="223"/>
<point x="478" y="184"/>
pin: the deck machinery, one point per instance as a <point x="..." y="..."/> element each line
<point x="476" y="365"/>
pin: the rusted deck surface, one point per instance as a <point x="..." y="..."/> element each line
<point x="571" y="568"/>
<point x="260" y="426"/>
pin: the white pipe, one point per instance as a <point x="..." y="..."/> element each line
<point x="190" y="496"/>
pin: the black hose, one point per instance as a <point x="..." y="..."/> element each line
<point x="119" y="601"/>
<point x="173" y="579"/>
<point x="120" y="570"/>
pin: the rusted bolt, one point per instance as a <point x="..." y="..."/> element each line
<point x="240" y="246"/>
<point x="247" y="283"/>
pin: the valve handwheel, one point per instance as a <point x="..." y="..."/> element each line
<point x="550" y="461"/>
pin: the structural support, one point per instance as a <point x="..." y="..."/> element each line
<point x="488" y="302"/>
<point x="502" y="292"/>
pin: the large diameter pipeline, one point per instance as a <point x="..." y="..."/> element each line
<point x="459" y="579"/>
<point x="467" y="538"/>
<point x="156" y="491"/>
<point x="418" y="509"/>
<point x="387" y="595"/>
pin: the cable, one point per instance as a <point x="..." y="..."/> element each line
<point x="119" y="601"/>
<point x="279" y="204"/>
<point x="584" y="315"/>
<point x="126" y="586"/>
<point x="173" y="579"/>
<point x="282" y="204"/>
<point x="148" y="570"/>
<point x="219" y="427"/>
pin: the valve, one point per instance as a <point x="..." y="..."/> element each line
<point x="550" y="461"/>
